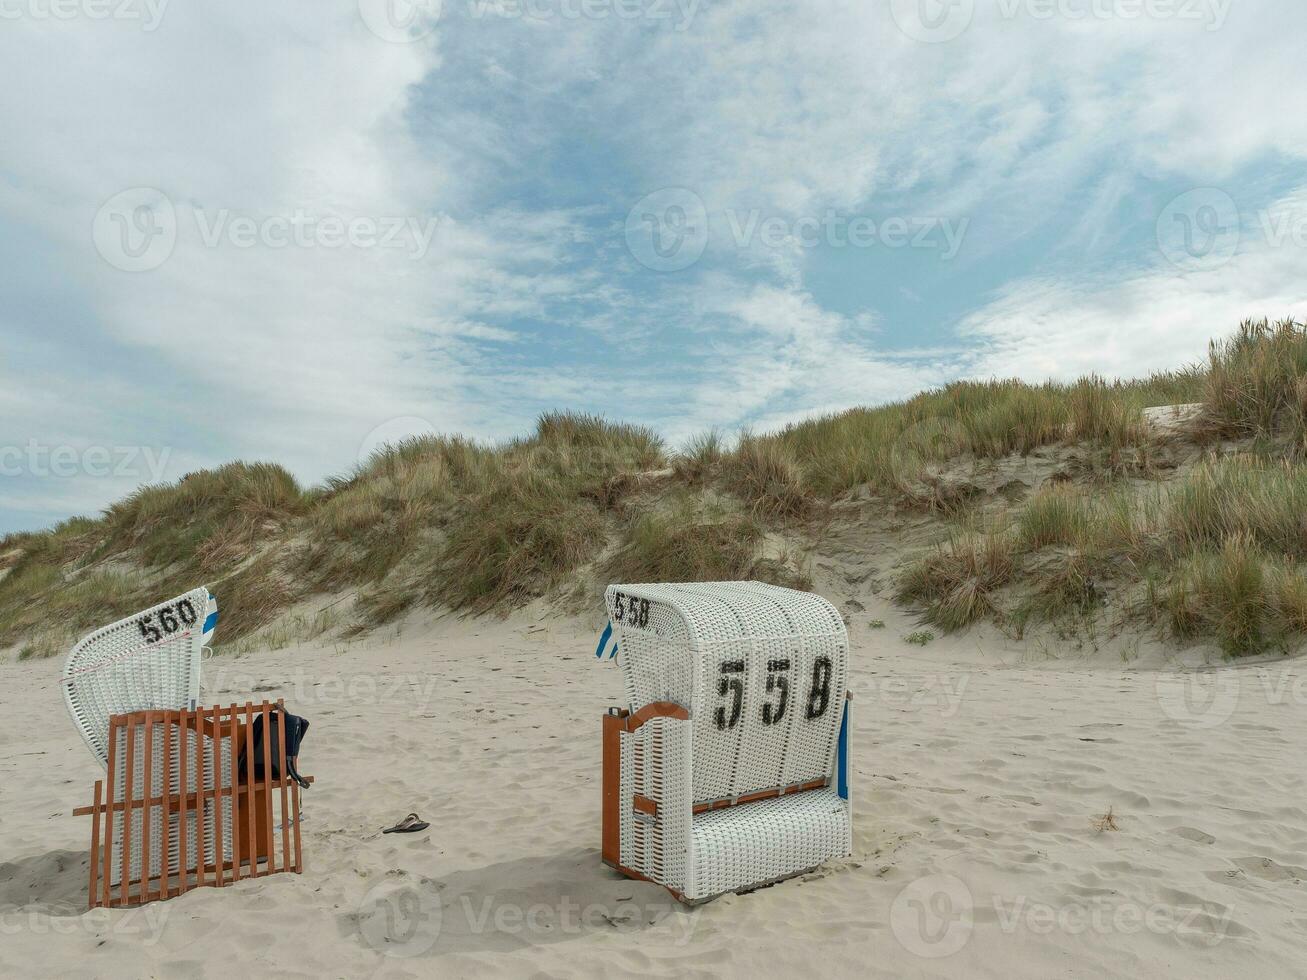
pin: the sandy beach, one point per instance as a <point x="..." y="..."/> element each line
<point x="402" y="342"/>
<point x="985" y="771"/>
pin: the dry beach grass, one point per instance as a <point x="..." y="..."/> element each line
<point x="1195" y="530"/>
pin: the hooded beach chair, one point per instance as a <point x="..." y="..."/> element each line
<point x="729" y="767"/>
<point x="151" y="662"/>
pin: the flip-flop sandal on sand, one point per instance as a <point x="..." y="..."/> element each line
<point x="409" y="825"/>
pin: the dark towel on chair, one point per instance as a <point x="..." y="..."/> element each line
<point x="295" y="729"/>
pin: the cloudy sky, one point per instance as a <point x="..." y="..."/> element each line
<point x="288" y="231"/>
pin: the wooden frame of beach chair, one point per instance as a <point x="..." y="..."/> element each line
<point x="175" y="813"/>
<point x="729" y="769"/>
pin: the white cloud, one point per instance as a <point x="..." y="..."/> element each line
<point x="526" y="140"/>
<point x="1155" y="319"/>
<point x="248" y="113"/>
<point x="776" y="356"/>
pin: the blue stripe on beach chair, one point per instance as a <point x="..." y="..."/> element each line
<point x="603" y="642"/>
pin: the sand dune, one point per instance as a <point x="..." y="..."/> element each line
<point x="983" y="773"/>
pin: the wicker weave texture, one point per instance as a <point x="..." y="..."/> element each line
<point x="752" y="844"/>
<point x="166" y="765"/>
<point x="147" y="661"/>
<point x="656" y="765"/>
<point x="762" y="670"/>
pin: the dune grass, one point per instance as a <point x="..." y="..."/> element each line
<point x="452" y="523"/>
<point x="958" y="582"/>
<point x="1221" y="554"/>
<point x="155" y="543"/>
<point x="699" y="460"/>
<point x="904" y="450"/>
<point x="1256" y="382"/>
<point x="764" y="473"/>
<point x="212" y="518"/>
<point x="1228" y="545"/>
<point x="691" y="540"/>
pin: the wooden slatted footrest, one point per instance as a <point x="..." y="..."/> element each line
<point x="175" y="811"/>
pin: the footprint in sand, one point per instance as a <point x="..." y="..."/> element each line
<point x="1268" y="870"/>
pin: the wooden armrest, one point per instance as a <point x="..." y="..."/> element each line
<point x="175" y="800"/>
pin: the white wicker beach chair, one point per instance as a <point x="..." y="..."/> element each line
<point x="729" y="768"/>
<point x="145" y="662"/>
<point x="151" y="662"/>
